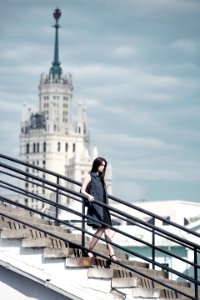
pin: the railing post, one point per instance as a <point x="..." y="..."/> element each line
<point x="196" y="272"/>
<point x="153" y="244"/>
<point x="57" y="200"/>
<point x="83" y="223"/>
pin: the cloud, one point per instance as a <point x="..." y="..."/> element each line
<point x="8" y="104"/>
<point x="125" y="51"/>
<point x="185" y="45"/>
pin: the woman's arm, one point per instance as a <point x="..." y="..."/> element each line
<point x="85" y="183"/>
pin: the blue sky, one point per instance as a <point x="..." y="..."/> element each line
<point x="135" y="65"/>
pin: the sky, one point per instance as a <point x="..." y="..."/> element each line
<point x="135" y="65"/>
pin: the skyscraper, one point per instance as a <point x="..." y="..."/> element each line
<point x="47" y="138"/>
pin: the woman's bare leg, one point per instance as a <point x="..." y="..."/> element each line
<point x="108" y="236"/>
<point x="95" y="239"/>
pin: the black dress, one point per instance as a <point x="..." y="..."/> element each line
<point x="97" y="189"/>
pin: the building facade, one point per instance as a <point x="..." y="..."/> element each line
<point x="48" y="139"/>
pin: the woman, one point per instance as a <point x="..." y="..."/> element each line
<point x="95" y="189"/>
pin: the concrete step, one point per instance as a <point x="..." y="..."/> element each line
<point x="27" y="217"/>
<point x="36" y="243"/>
<point x="7" y="233"/>
<point x="124" y="273"/>
<point x="132" y="287"/>
<point x="40" y="223"/>
<point x="10" y="224"/>
<point x="100" y="273"/>
<point x="144" y="293"/>
<point x="179" y="283"/>
<point x="81" y="262"/>
<point x="41" y="241"/>
<point x="58" y="252"/>
<point x="130" y="263"/>
<point x="76" y="262"/>
<point x="141" y="286"/>
<point x="15" y="210"/>
<point x="18" y="231"/>
<point x="15" y="226"/>
<point x="167" y="293"/>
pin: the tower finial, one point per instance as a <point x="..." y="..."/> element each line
<point x="57" y="14"/>
<point x="56" y="69"/>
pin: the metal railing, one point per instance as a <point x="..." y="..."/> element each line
<point x="15" y="170"/>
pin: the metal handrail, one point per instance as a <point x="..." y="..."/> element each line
<point x="116" y="199"/>
<point x="128" y="216"/>
<point x="150" y="227"/>
<point x="111" y="208"/>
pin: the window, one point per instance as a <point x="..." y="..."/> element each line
<point x="44" y="147"/>
<point x="38" y="147"/>
<point x="74" y="147"/>
<point x="27" y="148"/>
<point x="58" y="146"/>
<point x="66" y="147"/>
<point x="34" y="147"/>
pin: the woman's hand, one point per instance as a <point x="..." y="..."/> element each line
<point x="90" y="198"/>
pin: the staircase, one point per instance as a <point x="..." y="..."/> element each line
<point x="37" y="249"/>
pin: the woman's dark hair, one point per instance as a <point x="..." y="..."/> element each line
<point x="96" y="163"/>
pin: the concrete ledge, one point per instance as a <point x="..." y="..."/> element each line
<point x="80" y="262"/>
<point x="129" y="282"/>
<point x="36" y="243"/>
<point x="100" y="273"/>
<point x="145" y="293"/>
<point x="167" y="293"/>
<point x="16" y="210"/>
<point x="57" y="253"/>
<point x="133" y="263"/>
<point x="7" y="233"/>
<point x="27" y="217"/>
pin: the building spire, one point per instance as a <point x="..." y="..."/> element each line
<point x="56" y="69"/>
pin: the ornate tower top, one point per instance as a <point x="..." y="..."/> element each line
<point x="56" y="70"/>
